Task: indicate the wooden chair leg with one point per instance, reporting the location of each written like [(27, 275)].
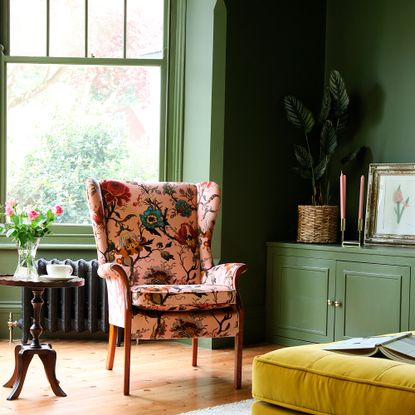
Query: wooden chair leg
[(194, 351), (238, 360), (111, 347), (120, 336), (127, 356)]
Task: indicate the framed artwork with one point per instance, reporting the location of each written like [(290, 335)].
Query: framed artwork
[(390, 208)]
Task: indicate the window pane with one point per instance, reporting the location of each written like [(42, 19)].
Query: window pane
[(79, 121), (28, 27), (106, 28), (67, 28), (145, 28)]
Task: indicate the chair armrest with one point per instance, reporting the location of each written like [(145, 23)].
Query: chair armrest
[(107, 270), (224, 274), (119, 295)]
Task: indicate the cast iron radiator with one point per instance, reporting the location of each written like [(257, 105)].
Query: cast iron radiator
[(80, 309)]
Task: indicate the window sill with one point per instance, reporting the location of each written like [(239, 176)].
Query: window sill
[(57, 242), (53, 247)]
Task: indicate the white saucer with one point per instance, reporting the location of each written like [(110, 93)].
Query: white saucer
[(57, 277)]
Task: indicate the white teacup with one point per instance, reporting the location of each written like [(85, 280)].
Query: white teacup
[(59, 270)]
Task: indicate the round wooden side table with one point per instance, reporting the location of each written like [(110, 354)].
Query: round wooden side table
[(24, 353)]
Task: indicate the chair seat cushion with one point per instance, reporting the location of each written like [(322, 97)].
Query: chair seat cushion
[(316, 381), (149, 324), (183, 297)]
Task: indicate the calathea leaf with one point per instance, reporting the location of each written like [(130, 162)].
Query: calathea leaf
[(302, 172), (325, 106), (328, 138), (303, 156), (298, 114), (340, 99), (321, 168), (342, 122)]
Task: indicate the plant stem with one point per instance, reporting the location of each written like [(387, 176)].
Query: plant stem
[(313, 179)]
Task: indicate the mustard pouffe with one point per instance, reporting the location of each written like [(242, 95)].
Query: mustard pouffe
[(307, 379)]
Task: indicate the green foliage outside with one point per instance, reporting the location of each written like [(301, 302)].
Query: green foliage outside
[(71, 153)]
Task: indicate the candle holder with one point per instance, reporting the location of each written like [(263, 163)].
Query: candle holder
[(359, 230)]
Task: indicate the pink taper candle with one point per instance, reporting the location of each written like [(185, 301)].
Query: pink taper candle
[(344, 196), (361, 196), (341, 197)]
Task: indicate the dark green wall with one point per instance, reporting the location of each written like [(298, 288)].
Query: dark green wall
[(274, 47), (371, 43)]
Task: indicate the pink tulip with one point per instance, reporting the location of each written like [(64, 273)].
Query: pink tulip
[(32, 214), (57, 210), (397, 195), (11, 203), (9, 211)]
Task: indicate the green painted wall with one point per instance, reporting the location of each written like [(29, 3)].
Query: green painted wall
[(198, 90), (274, 48), (371, 43)]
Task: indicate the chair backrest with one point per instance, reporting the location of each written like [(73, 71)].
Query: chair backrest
[(160, 231)]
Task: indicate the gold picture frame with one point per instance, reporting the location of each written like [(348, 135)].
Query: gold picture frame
[(390, 208)]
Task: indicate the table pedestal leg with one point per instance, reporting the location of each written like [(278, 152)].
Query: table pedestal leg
[(23, 361), (24, 353), (49, 362), (10, 382)]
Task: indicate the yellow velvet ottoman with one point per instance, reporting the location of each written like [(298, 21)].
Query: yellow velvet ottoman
[(307, 379)]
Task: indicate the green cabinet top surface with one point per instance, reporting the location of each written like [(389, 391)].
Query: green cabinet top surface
[(374, 254)]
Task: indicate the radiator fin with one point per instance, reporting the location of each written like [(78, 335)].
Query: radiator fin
[(79, 309)]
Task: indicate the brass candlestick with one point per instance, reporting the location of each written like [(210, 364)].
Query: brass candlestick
[(359, 228), (342, 227), (11, 325)]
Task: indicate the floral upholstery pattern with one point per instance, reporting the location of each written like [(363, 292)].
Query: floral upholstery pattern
[(223, 274), (177, 325), (117, 293), (183, 297), (208, 202), (158, 231), (154, 249)]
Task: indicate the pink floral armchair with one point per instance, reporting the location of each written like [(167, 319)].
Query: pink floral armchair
[(154, 249)]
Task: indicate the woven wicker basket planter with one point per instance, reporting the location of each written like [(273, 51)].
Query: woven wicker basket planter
[(317, 224)]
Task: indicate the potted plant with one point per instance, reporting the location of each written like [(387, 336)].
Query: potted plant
[(318, 222)]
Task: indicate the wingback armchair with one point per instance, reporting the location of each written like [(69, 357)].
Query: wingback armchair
[(154, 250)]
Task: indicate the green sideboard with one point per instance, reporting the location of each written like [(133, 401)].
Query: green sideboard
[(321, 293)]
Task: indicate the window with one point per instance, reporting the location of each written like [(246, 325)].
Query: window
[(86, 95)]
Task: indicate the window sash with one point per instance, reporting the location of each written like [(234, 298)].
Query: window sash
[(171, 111), (5, 12)]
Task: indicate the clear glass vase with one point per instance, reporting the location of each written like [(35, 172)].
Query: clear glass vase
[(26, 261)]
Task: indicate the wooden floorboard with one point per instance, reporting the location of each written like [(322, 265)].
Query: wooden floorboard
[(163, 380)]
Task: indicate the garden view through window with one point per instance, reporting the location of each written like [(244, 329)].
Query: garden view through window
[(67, 121)]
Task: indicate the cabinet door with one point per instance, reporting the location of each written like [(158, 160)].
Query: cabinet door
[(299, 290), (374, 299)]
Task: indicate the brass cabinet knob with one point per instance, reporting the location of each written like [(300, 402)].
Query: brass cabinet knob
[(330, 302), (337, 303)]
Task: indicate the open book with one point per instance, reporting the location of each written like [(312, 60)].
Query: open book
[(399, 347)]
